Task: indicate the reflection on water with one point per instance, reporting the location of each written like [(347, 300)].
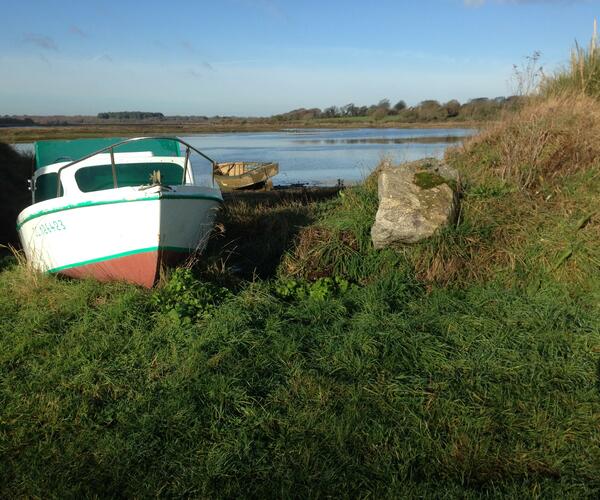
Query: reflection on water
[(383, 140), (320, 156)]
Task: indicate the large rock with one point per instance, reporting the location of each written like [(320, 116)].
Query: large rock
[(415, 200)]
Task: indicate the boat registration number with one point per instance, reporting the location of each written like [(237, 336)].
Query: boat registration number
[(49, 227)]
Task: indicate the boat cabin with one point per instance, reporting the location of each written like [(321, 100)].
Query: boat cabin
[(146, 162)]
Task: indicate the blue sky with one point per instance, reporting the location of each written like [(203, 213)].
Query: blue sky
[(260, 57)]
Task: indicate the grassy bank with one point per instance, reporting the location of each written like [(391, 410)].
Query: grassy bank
[(295, 360)]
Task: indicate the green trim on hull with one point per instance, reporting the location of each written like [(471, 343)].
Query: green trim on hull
[(118, 255), (162, 196)]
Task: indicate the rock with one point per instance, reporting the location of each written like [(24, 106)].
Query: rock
[(415, 200)]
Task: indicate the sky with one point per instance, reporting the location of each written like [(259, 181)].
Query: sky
[(262, 57)]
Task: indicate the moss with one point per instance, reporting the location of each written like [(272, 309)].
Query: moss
[(428, 180)]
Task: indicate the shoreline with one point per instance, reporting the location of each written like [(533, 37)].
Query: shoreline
[(16, 135)]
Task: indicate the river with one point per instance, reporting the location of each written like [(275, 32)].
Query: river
[(323, 156)]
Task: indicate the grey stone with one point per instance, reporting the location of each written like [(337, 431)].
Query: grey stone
[(415, 200)]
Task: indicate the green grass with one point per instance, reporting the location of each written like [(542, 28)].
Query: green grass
[(468, 383)]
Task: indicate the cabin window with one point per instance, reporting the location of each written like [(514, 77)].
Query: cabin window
[(98, 178), (45, 187)]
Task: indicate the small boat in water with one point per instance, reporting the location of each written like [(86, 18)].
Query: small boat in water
[(116, 209), (245, 175)]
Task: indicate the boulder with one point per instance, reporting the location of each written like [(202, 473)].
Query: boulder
[(415, 200)]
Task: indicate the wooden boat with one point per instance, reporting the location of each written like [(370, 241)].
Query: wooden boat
[(115, 210), (245, 175)]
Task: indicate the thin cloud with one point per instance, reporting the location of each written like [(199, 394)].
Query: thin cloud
[(45, 60), (40, 41), (187, 45), (103, 58), (76, 30), (192, 73)]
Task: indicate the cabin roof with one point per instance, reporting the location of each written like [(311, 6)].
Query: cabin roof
[(49, 152)]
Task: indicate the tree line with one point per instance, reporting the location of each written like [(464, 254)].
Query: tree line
[(130, 115), (12, 121), (479, 109)]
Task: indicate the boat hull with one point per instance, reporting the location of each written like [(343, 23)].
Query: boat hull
[(122, 234), (141, 268), (252, 178)]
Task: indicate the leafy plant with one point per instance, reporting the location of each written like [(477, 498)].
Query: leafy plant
[(186, 299), (319, 290), (496, 190)]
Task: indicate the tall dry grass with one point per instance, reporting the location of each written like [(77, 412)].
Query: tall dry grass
[(546, 140), (533, 180), (582, 75)]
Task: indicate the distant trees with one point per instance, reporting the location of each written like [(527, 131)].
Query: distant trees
[(483, 108), (384, 104), (452, 108), (350, 110), (380, 110), (400, 105), (13, 121), (130, 115), (300, 114), (429, 110)]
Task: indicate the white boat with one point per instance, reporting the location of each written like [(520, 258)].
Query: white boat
[(116, 210)]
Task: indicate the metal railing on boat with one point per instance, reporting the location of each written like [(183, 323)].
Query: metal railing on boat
[(111, 149)]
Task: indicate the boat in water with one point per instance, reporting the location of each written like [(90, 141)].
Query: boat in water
[(245, 175), (116, 209)]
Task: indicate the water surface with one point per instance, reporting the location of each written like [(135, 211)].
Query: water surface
[(320, 156)]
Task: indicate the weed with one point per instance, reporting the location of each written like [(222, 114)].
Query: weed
[(321, 289), (185, 299)]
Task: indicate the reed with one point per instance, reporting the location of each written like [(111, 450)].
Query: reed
[(582, 75)]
